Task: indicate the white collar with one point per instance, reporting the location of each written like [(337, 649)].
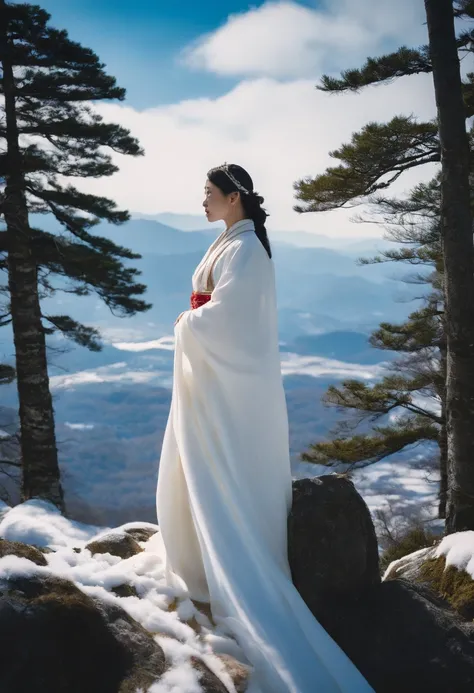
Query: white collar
[(238, 227)]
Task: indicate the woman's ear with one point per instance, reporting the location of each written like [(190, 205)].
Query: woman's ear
[(234, 197)]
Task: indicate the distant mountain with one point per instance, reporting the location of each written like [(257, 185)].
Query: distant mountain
[(340, 345), (144, 236), (184, 222), (111, 410), (318, 289), (111, 407), (300, 239)]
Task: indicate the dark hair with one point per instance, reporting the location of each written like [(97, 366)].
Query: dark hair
[(251, 201)]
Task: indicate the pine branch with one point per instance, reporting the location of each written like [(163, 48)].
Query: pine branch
[(422, 330), (464, 8), (62, 202), (405, 61), (385, 69), (90, 268), (374, 159), (9, 463), (7, 374), (80, 334), (363, 450), (375, 402)]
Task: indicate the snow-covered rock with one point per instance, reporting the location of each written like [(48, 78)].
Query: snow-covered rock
[(102, 615)]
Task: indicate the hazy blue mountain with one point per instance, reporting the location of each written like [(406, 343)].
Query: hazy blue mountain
[(111, 407), (184, 222), (301, 239), (319, 289), (342, 345)]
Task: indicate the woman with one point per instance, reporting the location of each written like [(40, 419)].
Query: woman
[(224, 488)]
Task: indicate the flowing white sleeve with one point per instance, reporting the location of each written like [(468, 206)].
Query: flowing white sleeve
[(233, 326)]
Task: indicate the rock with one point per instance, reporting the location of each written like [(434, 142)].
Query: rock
[(401, 636), (332, 548), (208, 680), (55, 638), (238, 672), (17, 548), (125, 590), (141, 533), (426, 568), (409, 566), (122, 545)]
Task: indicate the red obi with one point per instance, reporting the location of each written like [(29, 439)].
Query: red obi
[(199, 299)]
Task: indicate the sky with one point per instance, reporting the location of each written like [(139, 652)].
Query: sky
[(232, 81)]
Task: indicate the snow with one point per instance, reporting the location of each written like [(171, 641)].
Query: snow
[(458, 550), (408, 565), (404, 486), (39, 522)]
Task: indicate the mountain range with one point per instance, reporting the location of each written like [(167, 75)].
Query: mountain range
[(111, 407)]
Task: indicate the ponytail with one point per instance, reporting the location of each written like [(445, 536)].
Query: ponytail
[(252, 204)]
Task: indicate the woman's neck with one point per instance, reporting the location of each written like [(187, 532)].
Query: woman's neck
[(232, 221)]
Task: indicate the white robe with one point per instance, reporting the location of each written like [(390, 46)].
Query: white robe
[(225, 487)]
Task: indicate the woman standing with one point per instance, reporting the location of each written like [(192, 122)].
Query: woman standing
[(224, 487)]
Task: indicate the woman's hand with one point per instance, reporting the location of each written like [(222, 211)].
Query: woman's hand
[(179, 317)]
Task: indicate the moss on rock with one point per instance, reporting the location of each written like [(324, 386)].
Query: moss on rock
[(141, 533), (125, 590), (17, 548), (122, 545), (56, 638), (453, 585), (414, 540)]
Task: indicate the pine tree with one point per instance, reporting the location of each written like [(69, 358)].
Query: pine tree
[(413, 391), (398, 146), (51, 134)]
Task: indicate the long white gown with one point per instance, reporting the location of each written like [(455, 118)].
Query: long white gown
[(225, 488)]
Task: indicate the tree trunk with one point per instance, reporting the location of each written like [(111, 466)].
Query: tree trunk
[(443, 436), (458, 254), (38, 444), (443, 440)]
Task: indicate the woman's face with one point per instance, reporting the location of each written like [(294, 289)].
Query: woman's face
[(217, 206)]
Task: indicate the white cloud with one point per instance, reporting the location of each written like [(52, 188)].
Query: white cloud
[(79, 426), (164, 343), (318, 367), (280, 132), (286, 39), (115, 373)]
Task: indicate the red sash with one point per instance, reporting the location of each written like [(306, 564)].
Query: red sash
[(199, 299)]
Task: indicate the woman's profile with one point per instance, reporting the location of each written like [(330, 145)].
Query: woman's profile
[(224, 487)]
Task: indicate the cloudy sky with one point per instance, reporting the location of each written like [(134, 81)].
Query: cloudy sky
[(226, 80)]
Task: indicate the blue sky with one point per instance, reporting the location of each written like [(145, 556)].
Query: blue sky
[(140, 42), (232, 81)]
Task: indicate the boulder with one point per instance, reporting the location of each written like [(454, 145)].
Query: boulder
[(426, 567), (332, 545), (400, 635), (403, 638), (141, 533), (122, 545), (55, 638), (18, 548), (208, 680), (238, 672)]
